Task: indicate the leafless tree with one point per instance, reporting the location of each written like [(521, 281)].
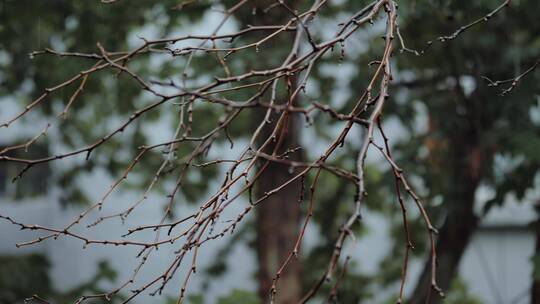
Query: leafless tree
[(273, 91)]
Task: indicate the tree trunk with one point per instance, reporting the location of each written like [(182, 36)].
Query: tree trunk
[(462, 171), (454, 237), (277, 224), (278, 217)]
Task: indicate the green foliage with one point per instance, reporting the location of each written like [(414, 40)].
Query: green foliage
[(22, 276), (104, 273), (77, 27), (31, 185), (194, 299), (234, 297), (239, 296), (460, 108), (467, 123), (535, 260), (459, 294)]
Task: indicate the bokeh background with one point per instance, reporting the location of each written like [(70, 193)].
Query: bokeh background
[(471, 153)]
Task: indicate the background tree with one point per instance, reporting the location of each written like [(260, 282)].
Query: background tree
[(472, 124), (452, 157)]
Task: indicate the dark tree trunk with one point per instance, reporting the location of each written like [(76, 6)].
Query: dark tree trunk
[(463, 160), (462, 177), (278, 217), (277, 224), (454, 237)]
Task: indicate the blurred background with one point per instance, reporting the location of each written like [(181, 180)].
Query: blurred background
[(470, 153)]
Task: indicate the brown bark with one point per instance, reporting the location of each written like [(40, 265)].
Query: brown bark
[(278, 217), (462, 159), (277, 223), (461, 170), (454, 237)]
